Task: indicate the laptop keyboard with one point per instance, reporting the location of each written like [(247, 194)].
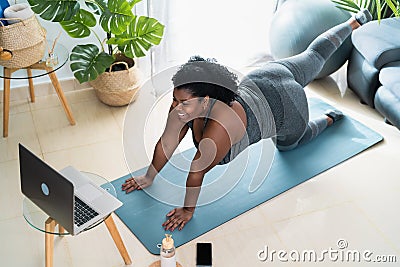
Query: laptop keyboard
[(82, 212)]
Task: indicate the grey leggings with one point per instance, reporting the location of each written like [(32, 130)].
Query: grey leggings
[(304, 67)]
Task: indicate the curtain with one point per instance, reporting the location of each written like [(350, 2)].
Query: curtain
[(234, 33)]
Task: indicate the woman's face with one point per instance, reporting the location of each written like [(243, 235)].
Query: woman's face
[(187, 106)]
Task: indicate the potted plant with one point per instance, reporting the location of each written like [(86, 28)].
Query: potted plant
[(126, 36), (378, 8)]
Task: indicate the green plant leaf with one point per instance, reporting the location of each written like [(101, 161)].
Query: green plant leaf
[(79, 26), (134, 2), (55, 10), (392, 4), (116, 16), (87, 63), (94, 7), (349, 5), (378, 9), (142, 33)]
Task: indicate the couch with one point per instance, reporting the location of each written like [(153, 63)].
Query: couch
[(374, 67)]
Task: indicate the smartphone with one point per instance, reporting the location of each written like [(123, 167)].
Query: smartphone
[(203, 254)]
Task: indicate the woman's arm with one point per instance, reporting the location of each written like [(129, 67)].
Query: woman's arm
[(213, 147), (164, 149), (173, 134)]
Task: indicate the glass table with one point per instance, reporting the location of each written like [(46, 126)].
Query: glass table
[(39, 220), (48, 65)]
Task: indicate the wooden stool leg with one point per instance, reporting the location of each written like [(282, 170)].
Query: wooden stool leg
[(112, 228), (50, 225), (6, 101), (31, 88), (61, 96), (61, 230)]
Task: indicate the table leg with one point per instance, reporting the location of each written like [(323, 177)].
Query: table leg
[(6, 101), (61, 230), (112, 228), (31, 88), (61, 96), (50, 225)]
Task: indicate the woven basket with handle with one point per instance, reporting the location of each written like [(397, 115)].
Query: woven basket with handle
[(25, 39), (118, 88)]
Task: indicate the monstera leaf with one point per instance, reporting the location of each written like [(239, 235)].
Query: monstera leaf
[(55, 10), (87, 63), (116, 16), (79, 26), (141, 34), (95, 7)]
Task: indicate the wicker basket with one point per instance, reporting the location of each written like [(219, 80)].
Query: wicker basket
[(118, 88), (26, 40)]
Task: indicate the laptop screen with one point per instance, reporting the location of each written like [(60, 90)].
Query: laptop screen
[(47, 188)]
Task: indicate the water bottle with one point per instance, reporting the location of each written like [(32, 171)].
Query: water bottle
[(167, 252), (3, 5)]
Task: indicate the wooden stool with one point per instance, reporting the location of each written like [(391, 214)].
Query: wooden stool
[(54, 80), (51, 224)]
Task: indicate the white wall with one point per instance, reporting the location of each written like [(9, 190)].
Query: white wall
[(235, 33)]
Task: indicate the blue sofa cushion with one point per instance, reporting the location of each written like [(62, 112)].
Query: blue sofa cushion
[(390, 74), (387, 102), (362, 78), (378, 42)]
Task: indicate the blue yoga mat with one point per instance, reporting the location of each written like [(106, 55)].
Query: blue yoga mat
[(143, 214)]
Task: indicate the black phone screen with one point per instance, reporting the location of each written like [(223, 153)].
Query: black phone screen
[(204, 254)]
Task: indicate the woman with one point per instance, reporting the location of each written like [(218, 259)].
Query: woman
[(225, 117)]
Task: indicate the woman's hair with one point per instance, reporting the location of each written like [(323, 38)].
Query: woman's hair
[(205, 77)]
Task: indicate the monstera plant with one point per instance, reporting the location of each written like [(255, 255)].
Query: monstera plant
[(378, 8), (123, 31)]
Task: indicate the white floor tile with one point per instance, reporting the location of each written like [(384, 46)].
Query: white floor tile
[(103, 158), (50, 101), (17, 106), (381, 212), (10, 191), (24, 246), (94, 123), (323, 229), (21, 129)]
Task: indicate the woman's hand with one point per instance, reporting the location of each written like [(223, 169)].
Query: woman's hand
[(178, 217), (137, 183)]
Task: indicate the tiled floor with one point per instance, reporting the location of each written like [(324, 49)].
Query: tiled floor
[(356, 200)]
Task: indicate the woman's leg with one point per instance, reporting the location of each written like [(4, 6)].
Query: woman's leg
[(307, 65)]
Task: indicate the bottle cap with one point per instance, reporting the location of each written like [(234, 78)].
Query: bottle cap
[(168, 242)]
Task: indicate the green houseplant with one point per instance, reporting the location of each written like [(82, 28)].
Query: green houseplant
[(378, 8), (122, 32)]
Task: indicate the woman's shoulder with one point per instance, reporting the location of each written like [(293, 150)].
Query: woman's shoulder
[(228, 115)]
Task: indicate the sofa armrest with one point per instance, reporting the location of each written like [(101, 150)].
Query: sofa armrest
[(378, 42)]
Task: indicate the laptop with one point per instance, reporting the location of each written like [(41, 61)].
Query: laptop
[(68, 196)]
